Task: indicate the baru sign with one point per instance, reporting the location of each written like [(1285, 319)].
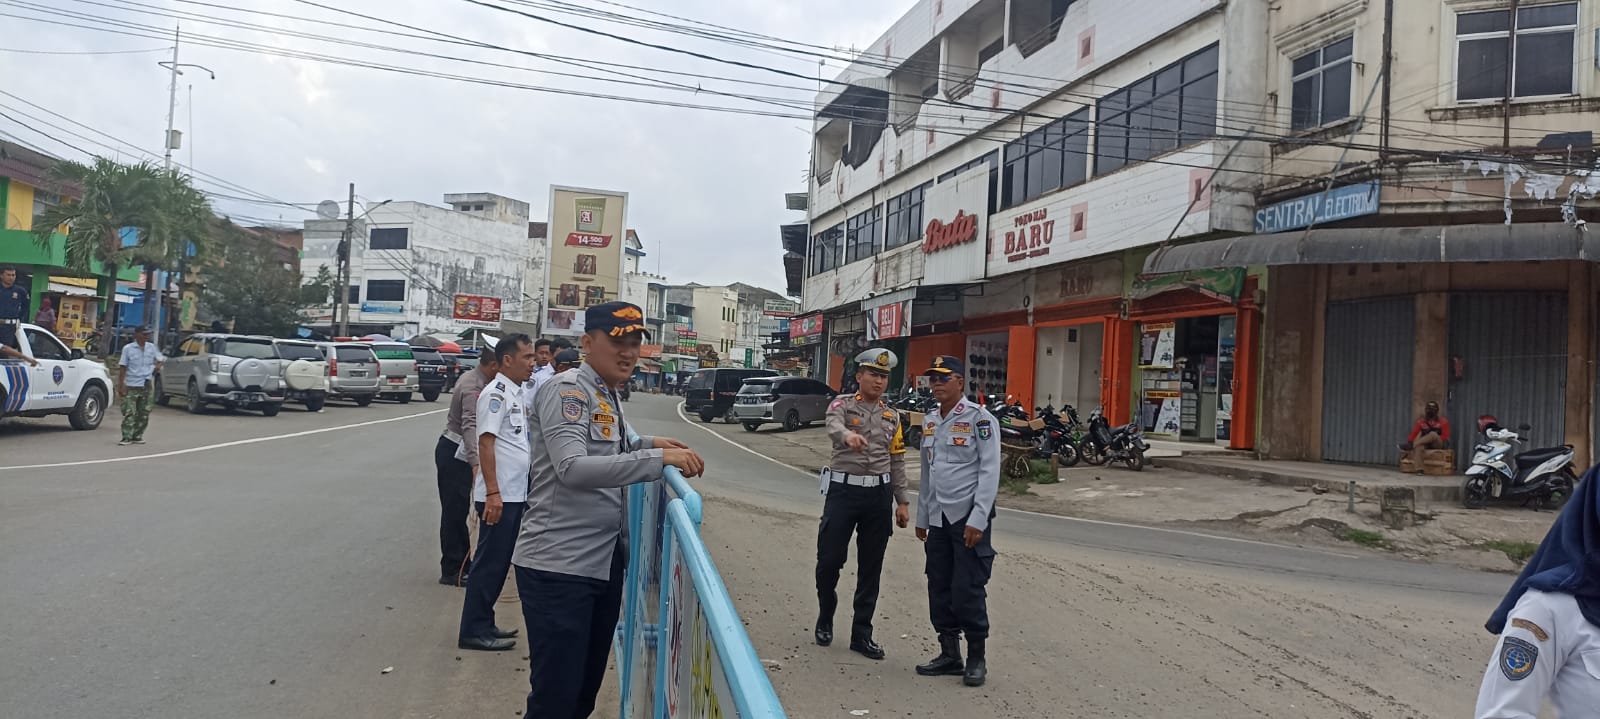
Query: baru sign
[(476, 311), (954, 241), (584, 265)]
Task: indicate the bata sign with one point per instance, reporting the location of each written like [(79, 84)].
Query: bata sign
[(940, 236), (1029, 236)]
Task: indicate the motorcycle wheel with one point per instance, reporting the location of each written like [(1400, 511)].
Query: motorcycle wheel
[(913, 437), (1134, 460), (1475, 493), (1090, 453), (1016, 466), (1068, 454), (1560, 490)]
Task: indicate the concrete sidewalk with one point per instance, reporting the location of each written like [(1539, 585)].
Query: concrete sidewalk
[(1369, 481)]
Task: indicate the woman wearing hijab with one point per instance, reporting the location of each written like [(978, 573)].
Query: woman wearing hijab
[(46, 316), (1549, 623)]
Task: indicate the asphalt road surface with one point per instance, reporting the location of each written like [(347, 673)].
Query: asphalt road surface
[(280, 573)]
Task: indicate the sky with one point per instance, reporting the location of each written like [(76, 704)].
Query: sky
[(705, 188)]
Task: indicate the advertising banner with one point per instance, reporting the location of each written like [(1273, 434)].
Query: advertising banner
[(779, 308), (476, 311), (805, 330), (889, 321), (954, 241), (585, 259)]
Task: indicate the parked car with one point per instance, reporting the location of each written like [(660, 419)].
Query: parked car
[(305, 373), (352, 371), (464, 363), (398, 367), (63, 383), (794, 401), (432, 372), (235, 371), (711, 392)]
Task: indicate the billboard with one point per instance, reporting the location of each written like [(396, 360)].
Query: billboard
[(805, 330), (584, 265), (779, 308), (476, 311)]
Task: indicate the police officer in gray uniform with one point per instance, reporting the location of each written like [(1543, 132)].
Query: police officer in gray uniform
[(955, 503), (572, 549), (868, 468)]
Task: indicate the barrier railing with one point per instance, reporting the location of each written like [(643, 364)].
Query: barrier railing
[(681, 647)]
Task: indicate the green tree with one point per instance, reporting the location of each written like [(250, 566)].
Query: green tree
[(160, 207), (245, 284), (319, 290)]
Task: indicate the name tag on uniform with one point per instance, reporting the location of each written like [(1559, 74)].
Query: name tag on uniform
[(961, 427), (602, 418)]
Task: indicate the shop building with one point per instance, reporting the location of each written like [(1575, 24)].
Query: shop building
[(956, 209), (1450, 260)]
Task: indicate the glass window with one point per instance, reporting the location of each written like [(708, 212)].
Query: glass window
[(862, 235), (1047, 159), (1321, 93), (299, 352), (386, 290), (354, 355), (1535, 50), (903, 223), (46, 347), (247, 349), (389, 238), (1155, 115)]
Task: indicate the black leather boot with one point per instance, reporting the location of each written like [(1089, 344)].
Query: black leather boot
[(977, 670), (948, 663)]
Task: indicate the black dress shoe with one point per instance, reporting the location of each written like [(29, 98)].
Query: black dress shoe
[(824, 632), (977, 672), (867, 648), (486, 644), (499, 633), (454, 581)]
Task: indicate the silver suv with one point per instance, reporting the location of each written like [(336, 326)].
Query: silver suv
[(352, 371), (400, 376), (794, 401), (235, 371), (304, 370)]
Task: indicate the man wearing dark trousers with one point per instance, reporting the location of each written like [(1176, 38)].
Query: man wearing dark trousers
[(455, 460), (868, 469), (573, 547), (501, 492), (955, 503)]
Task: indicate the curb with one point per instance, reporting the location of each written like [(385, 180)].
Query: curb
[(1366, 491)]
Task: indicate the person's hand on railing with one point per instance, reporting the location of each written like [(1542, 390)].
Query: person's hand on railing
[(685, 459), (669, 443)]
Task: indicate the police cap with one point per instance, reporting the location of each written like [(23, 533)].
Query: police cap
[(877, 360)]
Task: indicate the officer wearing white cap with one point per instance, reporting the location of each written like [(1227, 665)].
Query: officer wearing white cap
[(868, 470)]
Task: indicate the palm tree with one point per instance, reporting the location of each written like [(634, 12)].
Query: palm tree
[(160, 206)]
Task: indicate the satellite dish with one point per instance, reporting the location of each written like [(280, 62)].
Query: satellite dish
[(328, 210)]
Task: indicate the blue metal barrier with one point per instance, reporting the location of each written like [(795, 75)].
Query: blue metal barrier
[(681, 647)]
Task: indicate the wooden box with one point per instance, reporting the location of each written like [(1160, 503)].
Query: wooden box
[(1435, 462)]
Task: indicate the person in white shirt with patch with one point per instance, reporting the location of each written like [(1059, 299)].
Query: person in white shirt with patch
[(1549, 623), (500, 491)]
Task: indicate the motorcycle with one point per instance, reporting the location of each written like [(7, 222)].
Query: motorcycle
[(1542, 475), (1102, 445), (1060, 435), (906, 403)]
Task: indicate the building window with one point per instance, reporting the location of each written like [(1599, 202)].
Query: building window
[(44, 200), (386, 290), (1535, 47), (1047, 159), (1163, 111), (389, 238), (1322, 85), (993, 161), (861, 234), (827, 249), (903, 221), (355, 294)]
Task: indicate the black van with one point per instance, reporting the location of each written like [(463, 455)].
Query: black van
[(711, 392)]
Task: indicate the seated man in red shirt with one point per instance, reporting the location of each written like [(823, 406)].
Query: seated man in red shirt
[(1430, 432)]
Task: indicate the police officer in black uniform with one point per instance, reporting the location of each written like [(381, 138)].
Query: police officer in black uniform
[(14, 301), (867, 471)]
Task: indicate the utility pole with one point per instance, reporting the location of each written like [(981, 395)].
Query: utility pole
[(168, 144), (1388, 77), (344, 262)]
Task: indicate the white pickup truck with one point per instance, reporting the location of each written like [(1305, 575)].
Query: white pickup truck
[(62, 383)]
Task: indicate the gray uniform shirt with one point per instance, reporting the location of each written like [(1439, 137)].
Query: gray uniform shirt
[(886, 449), (461, 423), (576, 516), (960, 467)]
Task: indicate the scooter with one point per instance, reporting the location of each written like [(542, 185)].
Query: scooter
[(1542, 476), (1103, 445), (1060, 433)]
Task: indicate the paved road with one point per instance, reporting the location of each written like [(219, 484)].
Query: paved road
[(280, 576)]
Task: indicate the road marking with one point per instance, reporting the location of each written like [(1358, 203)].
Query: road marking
[(1081, 520), (223, 445)]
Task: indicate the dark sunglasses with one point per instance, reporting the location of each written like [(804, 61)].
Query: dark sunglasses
[(941, 378)]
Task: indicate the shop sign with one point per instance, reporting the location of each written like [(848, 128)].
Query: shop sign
[(1219, 284), (940, 236), (476, 311), (953, 243), (779, 308), (383, 308), (1029, 235), (889, 321), (1077, 282), (805, 330), (1339, 203)]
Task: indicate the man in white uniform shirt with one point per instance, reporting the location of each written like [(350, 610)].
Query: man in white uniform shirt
[(136, 369), (500, 491)]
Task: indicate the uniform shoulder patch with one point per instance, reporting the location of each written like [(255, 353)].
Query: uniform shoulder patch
[(836, 404), (499, 385), (1537, 631), (985, 429), (572, 408), (495, 402), (1517, 658)]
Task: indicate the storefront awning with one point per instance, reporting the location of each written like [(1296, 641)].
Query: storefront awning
[(72, 290), (1358, 245)]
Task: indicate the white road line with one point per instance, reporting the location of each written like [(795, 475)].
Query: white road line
[(1080, 520), (223, 445)]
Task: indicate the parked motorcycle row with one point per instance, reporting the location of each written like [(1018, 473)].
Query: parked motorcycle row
[(1047, 431)]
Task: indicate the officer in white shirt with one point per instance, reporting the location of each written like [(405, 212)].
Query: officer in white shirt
[(500, 491), (1549, 623), (136, 370), (955, 503)]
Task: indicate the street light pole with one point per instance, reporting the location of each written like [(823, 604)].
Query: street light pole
[(169, 143), (344, 262)]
